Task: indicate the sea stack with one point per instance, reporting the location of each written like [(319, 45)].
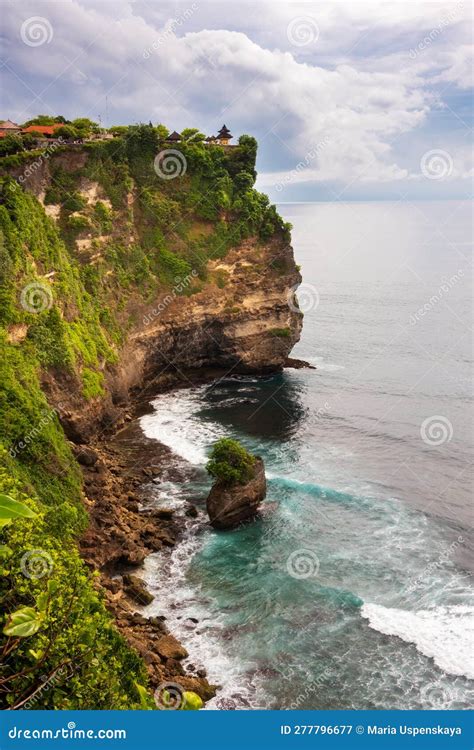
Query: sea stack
[(239, 486)]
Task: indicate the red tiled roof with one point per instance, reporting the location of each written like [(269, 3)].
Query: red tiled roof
[(9, 125), (43, 129)]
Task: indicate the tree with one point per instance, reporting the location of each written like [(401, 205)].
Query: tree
[(243, 157), (243, 181), (11, 144), (118, 130), (41, 120), (85, 127), (162, 132), (230, 462), (192, 135), (66, 132)]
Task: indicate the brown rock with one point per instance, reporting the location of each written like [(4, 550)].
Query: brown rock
[(230, 505), (85, 455), (135, 588), (169, 648)]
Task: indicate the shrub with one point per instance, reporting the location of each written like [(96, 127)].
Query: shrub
[(282, 333), (230, 462)]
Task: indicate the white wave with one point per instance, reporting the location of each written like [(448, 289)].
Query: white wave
[(182, 603), (173, 423), (446, 634), (321, 364)]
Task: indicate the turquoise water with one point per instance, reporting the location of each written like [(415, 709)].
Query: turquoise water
[(354, 588)]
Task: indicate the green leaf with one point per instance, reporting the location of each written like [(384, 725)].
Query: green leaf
[(24, 622), (10, 508), (35, 654), (42, 601), (192, 701), (144, 696)]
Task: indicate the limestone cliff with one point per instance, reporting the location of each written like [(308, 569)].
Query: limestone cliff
[(114, 281)]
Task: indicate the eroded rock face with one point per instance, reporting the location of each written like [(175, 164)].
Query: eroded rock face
[(250, 324), (229, 506)]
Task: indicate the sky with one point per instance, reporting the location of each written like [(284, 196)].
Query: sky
[(348, 100)]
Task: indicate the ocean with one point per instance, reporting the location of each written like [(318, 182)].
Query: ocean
[(353, 590)]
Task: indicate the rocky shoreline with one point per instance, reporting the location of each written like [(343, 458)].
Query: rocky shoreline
[(121, 534), (117, 465)]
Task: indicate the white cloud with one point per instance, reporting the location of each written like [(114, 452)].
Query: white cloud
[(357, 88)]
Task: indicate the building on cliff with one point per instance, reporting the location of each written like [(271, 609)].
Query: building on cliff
[(224, 136), (7, 127)]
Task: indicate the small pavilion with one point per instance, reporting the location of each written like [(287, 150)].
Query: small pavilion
[(224, 135)]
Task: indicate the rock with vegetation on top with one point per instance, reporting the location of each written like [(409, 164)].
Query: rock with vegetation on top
[(240, 484)]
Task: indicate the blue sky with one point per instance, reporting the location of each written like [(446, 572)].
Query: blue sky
[(349, 100)]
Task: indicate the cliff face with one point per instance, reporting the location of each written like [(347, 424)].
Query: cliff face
[(249, 325), (236, 314), (112, 281)]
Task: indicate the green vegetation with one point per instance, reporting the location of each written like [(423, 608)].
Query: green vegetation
[(65, 311), (282, 333), (53, 620), (230, 463)]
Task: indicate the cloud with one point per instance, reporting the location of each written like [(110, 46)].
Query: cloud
[(342, 105)]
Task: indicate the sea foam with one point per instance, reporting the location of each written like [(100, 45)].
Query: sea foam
[(445, 634)]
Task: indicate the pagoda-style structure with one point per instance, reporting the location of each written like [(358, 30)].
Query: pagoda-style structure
[(224, 135), (174, 137)]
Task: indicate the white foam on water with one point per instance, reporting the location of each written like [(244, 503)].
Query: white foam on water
[(173, 423), (446, 634), (180, 600), (321, 364)]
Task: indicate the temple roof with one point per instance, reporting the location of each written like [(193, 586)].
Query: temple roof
[(9, 125), (174, 136), (224, 132)]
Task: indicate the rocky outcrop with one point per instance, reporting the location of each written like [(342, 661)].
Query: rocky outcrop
[(248, 326), (230, 505), (135, 588)]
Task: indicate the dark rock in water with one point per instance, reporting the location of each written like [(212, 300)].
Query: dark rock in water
[(298, 364), (230, 505), (162, 513), (135, 588), (191, 511)]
